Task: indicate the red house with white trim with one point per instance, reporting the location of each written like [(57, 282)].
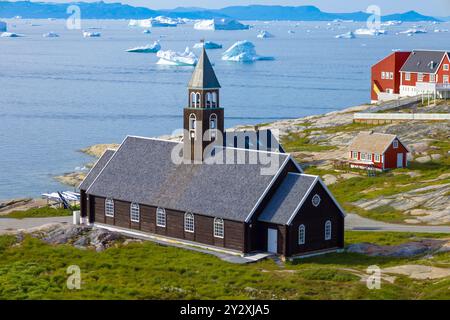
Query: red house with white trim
[(379, 151), (404, 74)]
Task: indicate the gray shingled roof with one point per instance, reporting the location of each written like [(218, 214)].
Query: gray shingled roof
[(204, 76), (289, 194), (142, 171), (95, 170), (423, 61)]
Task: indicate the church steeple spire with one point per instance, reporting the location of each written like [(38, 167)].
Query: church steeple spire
[(203, 117)]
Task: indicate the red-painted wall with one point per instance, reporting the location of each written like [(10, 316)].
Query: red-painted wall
[(426, 77), (390, 156), (441, 72), (391, 63)]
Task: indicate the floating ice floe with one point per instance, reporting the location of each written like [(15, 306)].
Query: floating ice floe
[(391, 23), (87, 34), (3, 26), (50, 34), (220, 24), (17, 17), (348, 35), (172, 58), (146, 31), (369, 32), (264, 35), (11, 35), (440, 30), (243, 51), (158, 22), (208, 45), (413, 31), (151, 48), (291, 31)]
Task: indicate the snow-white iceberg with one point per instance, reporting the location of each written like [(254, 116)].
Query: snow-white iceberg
[(11, 35), (243, 51), (291, 31), (347, 35), (151, 48), (369, 32), (264, 35), (146, 31), (391, 23), (220, 24), (413, 31), (440, 30), (3, 27), (50, 34), (158, 22), (87, 34), (208, 45), (173, 58)]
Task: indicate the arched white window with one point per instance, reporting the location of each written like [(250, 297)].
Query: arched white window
[(316, 200), (209, 100), (189, 222), (301, 234), (161, 217), (198, 100), (134, 212), (213, 125), (109, 207), (328, 230), (218, 228), (214, 99), (193, 99), (192, 120)]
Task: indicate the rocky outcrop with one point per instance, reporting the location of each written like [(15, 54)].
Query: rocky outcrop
[(409, 249)]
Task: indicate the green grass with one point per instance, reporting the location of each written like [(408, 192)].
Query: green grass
[(35, 270), (38, 213), (295, 142)]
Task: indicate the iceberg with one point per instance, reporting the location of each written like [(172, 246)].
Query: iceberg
[(146, 31), (264, 35), (413, 31), (158, 22), (291, 31), (243, 51), (348, 35), (440, 30), (172, 58), (369, 32), (220, 24), (50, 34), (87, 34), (3, 27), (151, 48), (208, 45), (391, 23), (11, 35)]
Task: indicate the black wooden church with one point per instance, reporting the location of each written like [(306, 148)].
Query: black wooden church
[(256, 200)]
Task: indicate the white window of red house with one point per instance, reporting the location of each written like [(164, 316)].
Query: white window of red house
[(355, 155), (377, 157), (369, 157), (363, 156), (395, 144), (445, 80), (109, 207), (134, 212), (446, 67), (420, 77), (432, 78), (408, 76), (383, 75), (391, 75)]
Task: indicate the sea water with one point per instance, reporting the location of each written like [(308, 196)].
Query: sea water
[(58, 95)]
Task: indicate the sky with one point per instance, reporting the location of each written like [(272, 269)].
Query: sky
[(428, 7)]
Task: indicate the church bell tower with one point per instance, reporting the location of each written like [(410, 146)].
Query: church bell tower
[(203, 117)]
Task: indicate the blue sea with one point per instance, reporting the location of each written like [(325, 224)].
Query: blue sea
[(58, 95)]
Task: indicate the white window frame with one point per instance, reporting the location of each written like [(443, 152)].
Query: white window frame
[(135, 212), (369, 156), (189, 222), (109, 207), (161, 217), (420, 77), (328, 230), (355, 155), (316, 200), (446, 67), (445, 79), (301, 234), (219, 228), (363, 155), (377, 157), (408, 76), (391, 75), (383, 75), (395, 144), (433, 78)]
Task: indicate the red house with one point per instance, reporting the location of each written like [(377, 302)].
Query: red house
[(403, 74), (377, 150), (386, 76)]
